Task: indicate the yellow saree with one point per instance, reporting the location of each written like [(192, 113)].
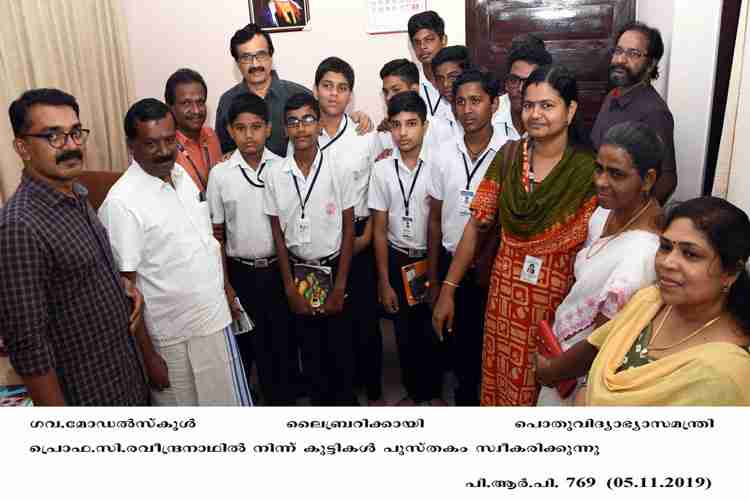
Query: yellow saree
[(711, 374)]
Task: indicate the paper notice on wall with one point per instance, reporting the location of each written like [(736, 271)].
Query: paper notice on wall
[(391, 16)]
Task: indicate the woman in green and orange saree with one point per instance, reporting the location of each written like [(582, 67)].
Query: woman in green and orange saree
[(540, 191)]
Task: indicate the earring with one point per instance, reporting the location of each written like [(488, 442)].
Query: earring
[(725, 289)]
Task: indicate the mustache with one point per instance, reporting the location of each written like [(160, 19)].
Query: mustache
[(165, 158), (69, 154), (613, 67), (257, 69)]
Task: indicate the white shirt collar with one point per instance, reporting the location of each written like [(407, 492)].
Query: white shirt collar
[(423, 155), (239, 161), (290, 164), (177, 174), (496, 141), (345, 122)]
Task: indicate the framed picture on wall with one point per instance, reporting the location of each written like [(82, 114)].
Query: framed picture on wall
[(280, 15)]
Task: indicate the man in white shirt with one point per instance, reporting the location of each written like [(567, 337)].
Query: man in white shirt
[(160, 231), (310, 201), (399, 202), (458, 169), (355, 154), (427, 36), (235, 196)]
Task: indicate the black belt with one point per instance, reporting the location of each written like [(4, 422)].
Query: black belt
[(357, 220), (257, 263), (315, 262), (409, 252)]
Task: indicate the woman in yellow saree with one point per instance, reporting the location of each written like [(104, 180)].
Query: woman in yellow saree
[(684, 341), (543, 202)]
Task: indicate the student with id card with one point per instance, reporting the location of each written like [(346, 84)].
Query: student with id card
[(400, 208), (310, 201), (355, 154), (235, 196), (457, 170)]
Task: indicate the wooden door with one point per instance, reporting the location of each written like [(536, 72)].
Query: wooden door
[(578, 34)]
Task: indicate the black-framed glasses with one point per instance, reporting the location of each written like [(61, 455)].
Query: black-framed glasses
[(293, 122), (631, 54), (515, 80), (261, 56), (58, 140)]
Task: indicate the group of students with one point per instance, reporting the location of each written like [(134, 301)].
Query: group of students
[(498, 199)]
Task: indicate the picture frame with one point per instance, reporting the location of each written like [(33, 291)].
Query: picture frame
[(280, 15)]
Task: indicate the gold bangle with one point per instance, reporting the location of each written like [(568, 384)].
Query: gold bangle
[(450, 283)]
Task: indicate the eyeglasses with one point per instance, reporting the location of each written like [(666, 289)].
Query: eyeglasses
[(293, 122), (261, 56), (628, 53), (515, 80), (58, 140)]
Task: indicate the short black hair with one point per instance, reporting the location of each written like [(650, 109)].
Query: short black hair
[(640, 142), (335, 65), (301, 100), (247, 103), (19, 109), (179, 77), (402, 68), (655, 43), (529, 48), (427, 20), (488, 82), (145, 110), (245, 35), (407, 102), (455, 53)]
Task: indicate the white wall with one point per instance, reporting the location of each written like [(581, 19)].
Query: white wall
[(660, 15), (167, 35), (739, 180)]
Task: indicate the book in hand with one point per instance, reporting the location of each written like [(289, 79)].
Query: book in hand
[(314, 283), (243, 324), (549, 347), (414, 276)]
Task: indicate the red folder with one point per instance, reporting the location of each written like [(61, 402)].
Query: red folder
[(549, 347)]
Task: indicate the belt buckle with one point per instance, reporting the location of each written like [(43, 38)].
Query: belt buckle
[(261, 263), (414, 253), (314, 262)]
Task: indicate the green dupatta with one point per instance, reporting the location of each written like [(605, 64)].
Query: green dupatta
[(561, 194)]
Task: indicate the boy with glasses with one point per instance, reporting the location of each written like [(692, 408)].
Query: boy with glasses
[(310, 200)]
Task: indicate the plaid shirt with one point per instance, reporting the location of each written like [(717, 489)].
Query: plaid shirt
[(62, 304)]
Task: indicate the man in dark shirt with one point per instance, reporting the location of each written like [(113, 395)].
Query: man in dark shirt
[(64, 310), (252, 50), (634, 64)]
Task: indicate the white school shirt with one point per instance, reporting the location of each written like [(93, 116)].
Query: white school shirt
[(331, 195), (354, 154), (503, 118), (436, 105), (386, 196), (449, 178), (164, 235), (235, 197)]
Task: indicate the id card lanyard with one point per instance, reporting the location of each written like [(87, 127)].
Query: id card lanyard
[(406, 198), (470, 176), (303, 203), (434, 109), (337, 136), (260, 184), (184, 151)]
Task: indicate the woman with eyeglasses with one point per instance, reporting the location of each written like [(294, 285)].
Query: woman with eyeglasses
[(541, 191)]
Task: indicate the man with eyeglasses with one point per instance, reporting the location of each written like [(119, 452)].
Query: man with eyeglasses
[(527, 53), (252, 50), (633, 65), (64, 309)]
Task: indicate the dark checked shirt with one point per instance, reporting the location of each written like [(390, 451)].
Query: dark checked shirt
[(62, 304)]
